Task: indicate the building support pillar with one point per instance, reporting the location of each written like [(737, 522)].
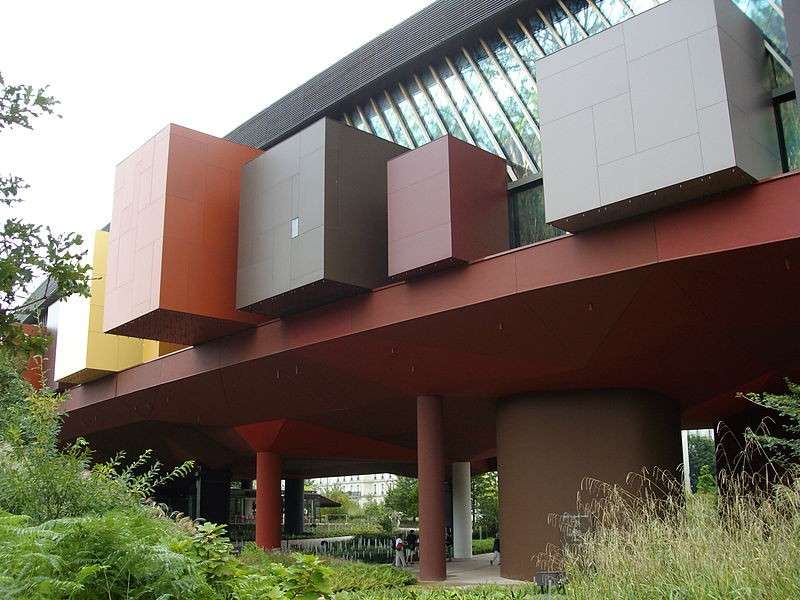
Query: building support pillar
[(293, 506), (268, 500), (549, 443), (430, 470), (213, 495), (462, 510)]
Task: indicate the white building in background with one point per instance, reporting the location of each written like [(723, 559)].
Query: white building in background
[(364, 489)]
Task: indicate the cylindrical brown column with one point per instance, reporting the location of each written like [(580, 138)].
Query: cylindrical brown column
[(268, 500), (430, 470), (548, 443), (293, 495)]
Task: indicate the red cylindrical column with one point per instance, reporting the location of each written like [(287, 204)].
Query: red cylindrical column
[(430, 470), (268, 500)]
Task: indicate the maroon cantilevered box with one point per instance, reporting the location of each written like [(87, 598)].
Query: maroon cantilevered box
[(447, 205)]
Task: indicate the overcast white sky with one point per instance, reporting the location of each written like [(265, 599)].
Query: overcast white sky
[(123, 70)]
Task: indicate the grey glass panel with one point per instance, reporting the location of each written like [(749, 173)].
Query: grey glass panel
[(466, 108), (565, 26), (409, 114), (427, 111), (763, 14), (492, 112), (543, 35), (779, 78), (790, 121), (523, 82), (376, 123), (524, 47), (393, 119), (587, 16), (358, 122), (443, 106), (526, 211), (616, 11), (513, 110)]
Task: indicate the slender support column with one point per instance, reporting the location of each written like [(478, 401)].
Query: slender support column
[(462, 510), (430, 469), (268, 500), (213, 495), (293, 506)]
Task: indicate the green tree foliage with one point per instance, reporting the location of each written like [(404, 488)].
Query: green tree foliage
[(706, 482), (784, 449), (349, 507), (30, 252), (701, 454), (484, 503), (403, 498)]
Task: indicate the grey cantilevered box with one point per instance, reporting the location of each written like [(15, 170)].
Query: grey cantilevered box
[(312, 219), (669, 106)]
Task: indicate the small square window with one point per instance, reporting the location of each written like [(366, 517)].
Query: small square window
[(295, 227)]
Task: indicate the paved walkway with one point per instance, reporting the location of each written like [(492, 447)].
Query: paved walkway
[(472, 571)]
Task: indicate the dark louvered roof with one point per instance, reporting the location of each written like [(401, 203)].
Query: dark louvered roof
[(420, 34)]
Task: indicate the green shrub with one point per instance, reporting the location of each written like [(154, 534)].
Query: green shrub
[(343, 575), (483, 546)]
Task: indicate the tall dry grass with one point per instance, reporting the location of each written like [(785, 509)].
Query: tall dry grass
[(659, 542)]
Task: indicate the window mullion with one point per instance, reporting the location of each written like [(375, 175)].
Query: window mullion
[(456, 112), (501, 110), (415, 109), (400, 118), (365, 120), (530, 37), (382, 119), (550, 28), (572, 18), (599, 12), (504, 75), (468, 95)]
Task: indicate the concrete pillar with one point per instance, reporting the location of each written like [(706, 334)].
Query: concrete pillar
[(268, 500), (548, 443), (214, 495), (462, 510), (430, 469), (293, 506)]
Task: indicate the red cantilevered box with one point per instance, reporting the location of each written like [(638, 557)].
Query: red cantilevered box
[(174, 236), (447, 205)]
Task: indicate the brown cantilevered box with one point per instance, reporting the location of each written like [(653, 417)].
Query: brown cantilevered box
[(173, 241), (312, 225), (447, 205)]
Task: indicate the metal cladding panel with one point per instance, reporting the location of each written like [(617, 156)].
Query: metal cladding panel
[(313, 219), (669, 106), (447, 205), (421, 33), (173, 239)]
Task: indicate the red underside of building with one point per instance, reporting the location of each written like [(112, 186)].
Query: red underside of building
[(697, 304)]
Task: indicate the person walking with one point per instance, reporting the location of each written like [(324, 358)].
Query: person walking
[(496, 550), (399, 552), (411, 545)]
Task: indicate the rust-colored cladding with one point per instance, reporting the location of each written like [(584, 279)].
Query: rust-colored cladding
[(447, 205), (174, 237)]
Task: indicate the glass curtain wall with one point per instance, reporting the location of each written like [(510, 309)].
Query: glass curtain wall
[(485, 92)]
